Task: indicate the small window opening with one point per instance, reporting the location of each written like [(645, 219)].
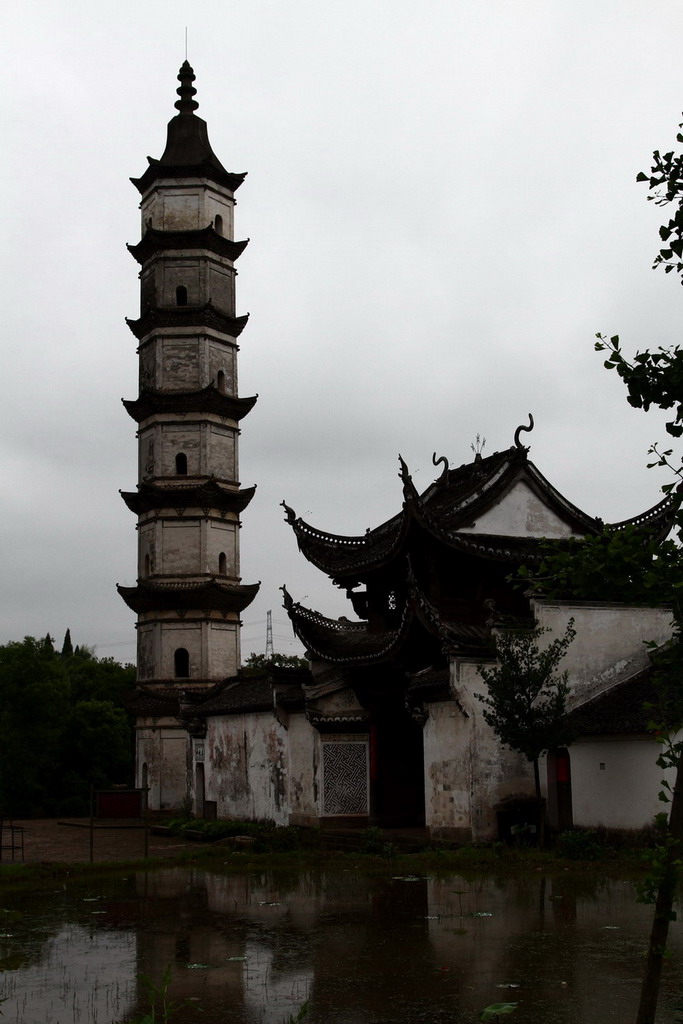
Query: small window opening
[(146, 565), (181, 295), (149, 222), (218, 224), (391, 601), (222, 564), (221, 381), (181, 663), (181, 464)]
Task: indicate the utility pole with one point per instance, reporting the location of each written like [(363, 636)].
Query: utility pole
[(269, 636)]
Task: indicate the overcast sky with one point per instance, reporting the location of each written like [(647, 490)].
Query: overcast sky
[(442, 208)]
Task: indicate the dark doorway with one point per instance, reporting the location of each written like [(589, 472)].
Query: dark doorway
[(396, 770), (560, 789)]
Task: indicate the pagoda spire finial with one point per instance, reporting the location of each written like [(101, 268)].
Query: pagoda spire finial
[(186, 76)]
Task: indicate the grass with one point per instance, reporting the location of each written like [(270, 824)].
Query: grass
[(468, 861)]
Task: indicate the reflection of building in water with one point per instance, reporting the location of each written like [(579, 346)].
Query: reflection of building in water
[(223, 937), (385, 727)]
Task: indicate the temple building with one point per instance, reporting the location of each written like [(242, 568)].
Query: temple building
[(384, 727), (189, 595)]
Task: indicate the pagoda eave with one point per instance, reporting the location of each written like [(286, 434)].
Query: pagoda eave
[(205, 171), (188, 317), (154, 241), (149, 498), (186, 596), (206, 400)]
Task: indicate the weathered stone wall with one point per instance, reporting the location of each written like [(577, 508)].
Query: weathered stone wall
[(210, 449), (257, 768), (179, 362), (162, 758), (305, 788), (190, 545), (247, 767), (177, 207)]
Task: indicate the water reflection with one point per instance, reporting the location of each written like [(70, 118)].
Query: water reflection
[(250, 949)]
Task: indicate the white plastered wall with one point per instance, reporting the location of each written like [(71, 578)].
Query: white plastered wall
[(616, 781)]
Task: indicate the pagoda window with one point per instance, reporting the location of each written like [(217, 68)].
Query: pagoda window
[(146, 565), (222, 564), (181, 295), (221, 381), (218, 224), (181, 663), (181, 464), (391, 601)]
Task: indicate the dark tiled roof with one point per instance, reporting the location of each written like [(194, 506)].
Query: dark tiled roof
[(154, 241), (347, 643), (162, 317), (186, 595), (155, 703), (619, 710), (205, 400), (253, 693), (450, 506), (188, 152), (207, 495), (340, 640)]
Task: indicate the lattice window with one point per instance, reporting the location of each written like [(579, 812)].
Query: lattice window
[(345, 777)]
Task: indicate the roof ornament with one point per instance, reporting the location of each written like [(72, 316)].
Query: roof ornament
[(478, 447), (409, 491), (444, 471), (287, 599), (290, 514), (520, 429), (186, 76)]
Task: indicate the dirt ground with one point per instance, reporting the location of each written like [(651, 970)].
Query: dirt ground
[(68, 840)]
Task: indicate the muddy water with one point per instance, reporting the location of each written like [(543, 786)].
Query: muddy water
[(404, 950)]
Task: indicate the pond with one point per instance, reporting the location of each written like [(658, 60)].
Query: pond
[(251, 949)]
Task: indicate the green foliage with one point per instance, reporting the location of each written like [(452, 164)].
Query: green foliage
[(374, 841), (61, 726), (212, 830), (526, 703), (627, 565), (255, 664), (496, 1010), (300, 1015), (161, 1006), (579, 844)]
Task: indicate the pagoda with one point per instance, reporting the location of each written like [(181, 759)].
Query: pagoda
[(189, 596)]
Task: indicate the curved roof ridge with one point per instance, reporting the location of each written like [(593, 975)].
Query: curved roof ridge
[(663, 512), (353, 641)]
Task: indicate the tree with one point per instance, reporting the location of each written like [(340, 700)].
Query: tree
[(67, 646), (257, 663), (62, 725), (34, 703), (526, 703)]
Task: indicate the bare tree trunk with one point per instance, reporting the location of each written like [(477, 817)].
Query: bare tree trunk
[(649, 992)]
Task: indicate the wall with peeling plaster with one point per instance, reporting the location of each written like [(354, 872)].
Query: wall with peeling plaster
[(162, 752)]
